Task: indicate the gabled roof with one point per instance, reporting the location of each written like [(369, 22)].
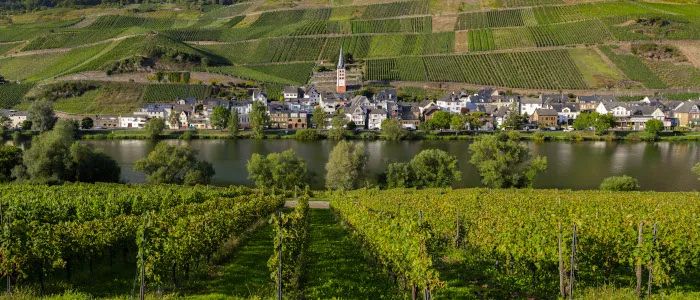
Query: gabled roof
[(687, 106), (291, 90), (545, 112)]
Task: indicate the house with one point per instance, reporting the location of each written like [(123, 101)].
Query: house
[(429, 112), (617, 109), (259, 96), (132, 121), (688, 113), (545, 117), (375, 118), (409, 115), (453, 102), (312, 95), (291, 92), (567, 112), (155, 110), (357, 111), (16, 117), (642, 114), (243, 108), (105, 122), (283, 118), (528, 105), (199, 122)]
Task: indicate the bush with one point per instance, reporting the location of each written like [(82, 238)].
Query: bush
[(307, 135), (620, 183)]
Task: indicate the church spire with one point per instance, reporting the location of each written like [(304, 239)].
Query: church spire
[(341, 59)]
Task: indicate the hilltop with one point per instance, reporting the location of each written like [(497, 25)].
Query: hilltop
[(513, 44)]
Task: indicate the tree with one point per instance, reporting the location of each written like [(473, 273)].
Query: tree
[(86, 123), (26, 125), (475, 120), (258, 119), (220, 117), (345, 166), (41, 115), (458, 122), (603, 122), (514, 120), (653, 127), (430, 168), (154, 128), (337, 131), (439, 120), (502, 162), (234, 123), (318, 118), (174, 164), (392, 130), (283, 170), (620, 183), (49, 158), (93, 166), (599, 122), (10, 157)]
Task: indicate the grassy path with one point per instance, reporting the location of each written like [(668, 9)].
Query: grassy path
[(336, 266), (246, 274)]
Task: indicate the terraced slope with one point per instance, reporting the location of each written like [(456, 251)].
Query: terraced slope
[(529, 44)]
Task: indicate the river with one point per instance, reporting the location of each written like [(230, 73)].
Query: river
[(662, 166)]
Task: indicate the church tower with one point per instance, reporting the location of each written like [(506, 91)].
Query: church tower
[(340, 74)]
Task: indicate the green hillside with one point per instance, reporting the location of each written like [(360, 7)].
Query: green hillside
[(527, 44)]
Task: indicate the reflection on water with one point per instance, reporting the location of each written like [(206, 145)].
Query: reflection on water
[(660, 166)]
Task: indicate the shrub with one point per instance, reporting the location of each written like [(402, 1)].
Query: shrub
[(620, 183), (307, 135)]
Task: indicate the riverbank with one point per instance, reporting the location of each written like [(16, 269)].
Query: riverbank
[(632, 136)]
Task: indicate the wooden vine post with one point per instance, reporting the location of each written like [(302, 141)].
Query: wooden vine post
[(279, 257), (650, 267), (562, 272), (8, 274), (638, 264), (572, 275)]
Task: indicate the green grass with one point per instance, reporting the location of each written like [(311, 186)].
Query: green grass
[(109, 99), (337, 267), (596, 72), (246, 275), (170, 92), (634, 68)]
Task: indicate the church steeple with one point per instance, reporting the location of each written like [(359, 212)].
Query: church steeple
[(340, 73), (341, 59)]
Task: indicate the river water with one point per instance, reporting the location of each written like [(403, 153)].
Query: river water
[(662, 166)]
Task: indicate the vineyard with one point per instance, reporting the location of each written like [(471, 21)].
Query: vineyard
[(552, 69), (241, 37), (171, 92), (531, 243), (12, 94)]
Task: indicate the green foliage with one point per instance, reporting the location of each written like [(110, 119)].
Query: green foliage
[(41, 115), (220, 117), (514, 120), (318, 118), (10, 157), (439, 120), (338, 123), (599, 122), (55, 156), (154, 128), (654, 127), (259, 119), (171, 92), (696, 170), (86, 123), (307, 134), (392, 130), (283, 170), (634, 68), (620, 183), (345, 166), (174, 164), (429, 168), (234, 123), (503, 162), (292, 239)]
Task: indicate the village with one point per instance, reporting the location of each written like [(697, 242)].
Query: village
[(367, 112)]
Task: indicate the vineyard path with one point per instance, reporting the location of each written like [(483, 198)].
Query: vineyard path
[(314, 204)]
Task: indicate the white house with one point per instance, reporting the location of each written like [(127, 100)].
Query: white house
[(291, 92), (375, 118), (243, 108), (132, 121), (617, 109), (529, 105), (16, 117), (453, 102)]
